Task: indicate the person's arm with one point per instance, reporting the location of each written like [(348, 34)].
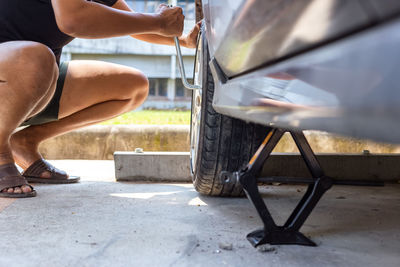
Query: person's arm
[(187, 40), (84, 19)]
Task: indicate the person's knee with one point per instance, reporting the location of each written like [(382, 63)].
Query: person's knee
[(39, 67), (142, 88), (136, 87)]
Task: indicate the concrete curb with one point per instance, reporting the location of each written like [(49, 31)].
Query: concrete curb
[(175, 166), (99, 142)]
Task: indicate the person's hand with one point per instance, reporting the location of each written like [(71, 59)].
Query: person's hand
[(190, 40), (171, 19)]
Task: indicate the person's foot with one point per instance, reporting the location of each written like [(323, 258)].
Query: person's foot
[(25, 151), (36, 170), (8, 168), (18, 190)]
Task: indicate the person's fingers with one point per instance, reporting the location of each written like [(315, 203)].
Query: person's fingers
[(161, 7), (182, 21)]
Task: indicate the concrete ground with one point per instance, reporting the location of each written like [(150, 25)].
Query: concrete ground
[(99, 222)]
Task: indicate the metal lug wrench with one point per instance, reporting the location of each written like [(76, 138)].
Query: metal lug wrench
[(182, 68)]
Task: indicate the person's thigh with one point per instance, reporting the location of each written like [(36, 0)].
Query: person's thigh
[(9, 60), (88, 83), (21, 82), (21, 60)]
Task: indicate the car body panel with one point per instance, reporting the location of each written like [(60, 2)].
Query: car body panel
[(383, 8), (343, 78), (248, 34), (351, 87), (217, 15)]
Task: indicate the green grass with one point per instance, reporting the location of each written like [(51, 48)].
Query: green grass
[(154, 117)]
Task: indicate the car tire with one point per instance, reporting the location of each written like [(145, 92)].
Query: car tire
[(218, 142)]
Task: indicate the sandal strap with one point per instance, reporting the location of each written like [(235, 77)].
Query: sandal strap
[(41, 165), (10, 177), (37, 168)]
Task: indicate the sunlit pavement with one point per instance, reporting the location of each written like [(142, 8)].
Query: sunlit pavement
[(99, 222)]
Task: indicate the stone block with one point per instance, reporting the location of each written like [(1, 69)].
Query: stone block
[(152, 166)]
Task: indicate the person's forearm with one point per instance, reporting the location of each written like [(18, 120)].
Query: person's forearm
[(157, 39), (150, 38), (92, 20), (154, 38)]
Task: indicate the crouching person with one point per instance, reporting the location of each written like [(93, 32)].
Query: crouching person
[(50, 97)]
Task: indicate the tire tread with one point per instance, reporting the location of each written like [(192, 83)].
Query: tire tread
[(225, 144)]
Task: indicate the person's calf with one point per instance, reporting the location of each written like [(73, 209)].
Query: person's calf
[(25, 148), (6, 157)]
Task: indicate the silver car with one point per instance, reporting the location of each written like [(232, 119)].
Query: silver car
[(331, 65)]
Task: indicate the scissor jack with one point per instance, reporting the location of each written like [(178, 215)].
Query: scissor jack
[(247, 177)]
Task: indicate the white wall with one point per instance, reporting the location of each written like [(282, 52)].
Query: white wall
[(151, 66)]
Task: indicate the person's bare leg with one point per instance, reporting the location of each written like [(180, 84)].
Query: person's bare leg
[(93, 92), (27, 81)]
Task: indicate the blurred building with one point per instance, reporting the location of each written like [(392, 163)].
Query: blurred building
[(158, 62)]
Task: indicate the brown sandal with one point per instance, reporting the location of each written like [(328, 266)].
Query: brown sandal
[(10, 178), (32, 174)]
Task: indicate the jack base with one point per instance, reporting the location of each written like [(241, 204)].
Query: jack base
[(279, 237)]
